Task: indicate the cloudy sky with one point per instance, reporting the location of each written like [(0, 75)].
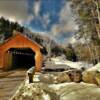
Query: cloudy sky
[(52, 17)]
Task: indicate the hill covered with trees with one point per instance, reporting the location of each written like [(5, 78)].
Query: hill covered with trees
[(7, 27), (6, 30)]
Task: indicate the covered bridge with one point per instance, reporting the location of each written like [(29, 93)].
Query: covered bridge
[(20, 51)]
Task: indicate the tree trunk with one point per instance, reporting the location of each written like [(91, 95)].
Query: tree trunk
[(98, 17), (96, 26)]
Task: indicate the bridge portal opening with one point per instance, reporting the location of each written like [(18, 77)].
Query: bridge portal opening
[(21, 58)]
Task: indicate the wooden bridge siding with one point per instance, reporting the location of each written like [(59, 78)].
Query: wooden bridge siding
[(7, 60)]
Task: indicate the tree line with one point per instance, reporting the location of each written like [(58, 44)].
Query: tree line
[(7, 27)]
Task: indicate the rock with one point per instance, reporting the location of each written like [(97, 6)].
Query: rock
[(47, 78), (63, 77), (97, 78), (61, 91), (75, 75), (72, 75), (79, 91), (55, 77), (89, 77), (92, 75), (58, 86), (28, 92)]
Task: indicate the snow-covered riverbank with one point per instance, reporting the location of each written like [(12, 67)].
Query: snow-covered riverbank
[(62, 91), (78, 65), (59, 86)]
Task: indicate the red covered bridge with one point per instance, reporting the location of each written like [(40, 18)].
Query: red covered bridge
[(20, 51)]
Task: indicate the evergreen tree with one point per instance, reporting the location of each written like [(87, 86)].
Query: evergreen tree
[(7, 27)]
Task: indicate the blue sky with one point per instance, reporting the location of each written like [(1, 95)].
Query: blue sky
[(52, 17), (49, 9)]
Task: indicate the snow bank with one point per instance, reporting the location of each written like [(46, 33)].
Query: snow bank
[(77, 65), (94, 68)]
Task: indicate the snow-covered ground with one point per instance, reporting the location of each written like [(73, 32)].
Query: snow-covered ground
[(96, 67), (77, 65), (68, 90)]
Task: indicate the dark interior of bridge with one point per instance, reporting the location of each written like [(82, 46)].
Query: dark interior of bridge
[(22, 57)]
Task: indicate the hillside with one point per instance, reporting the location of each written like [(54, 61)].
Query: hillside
[(7, 28)]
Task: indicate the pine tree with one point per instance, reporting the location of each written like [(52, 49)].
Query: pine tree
[(7, 27)]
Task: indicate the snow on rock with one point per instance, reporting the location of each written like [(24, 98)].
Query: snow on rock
[(94, 68), (39, 90)]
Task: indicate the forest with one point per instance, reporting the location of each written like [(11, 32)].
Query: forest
[(88, 19)]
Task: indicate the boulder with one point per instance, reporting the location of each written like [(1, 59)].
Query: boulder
[(75, 75), (55, 77), (61, 91), (63, 77), (92, 75), (47, 78), (97, 78)]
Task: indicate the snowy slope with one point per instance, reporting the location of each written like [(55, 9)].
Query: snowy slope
[(77, 65)]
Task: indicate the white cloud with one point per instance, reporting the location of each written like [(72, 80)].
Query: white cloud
[(30, 18), (66, 22), (45, 20), (15, 10), (36, 8)]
